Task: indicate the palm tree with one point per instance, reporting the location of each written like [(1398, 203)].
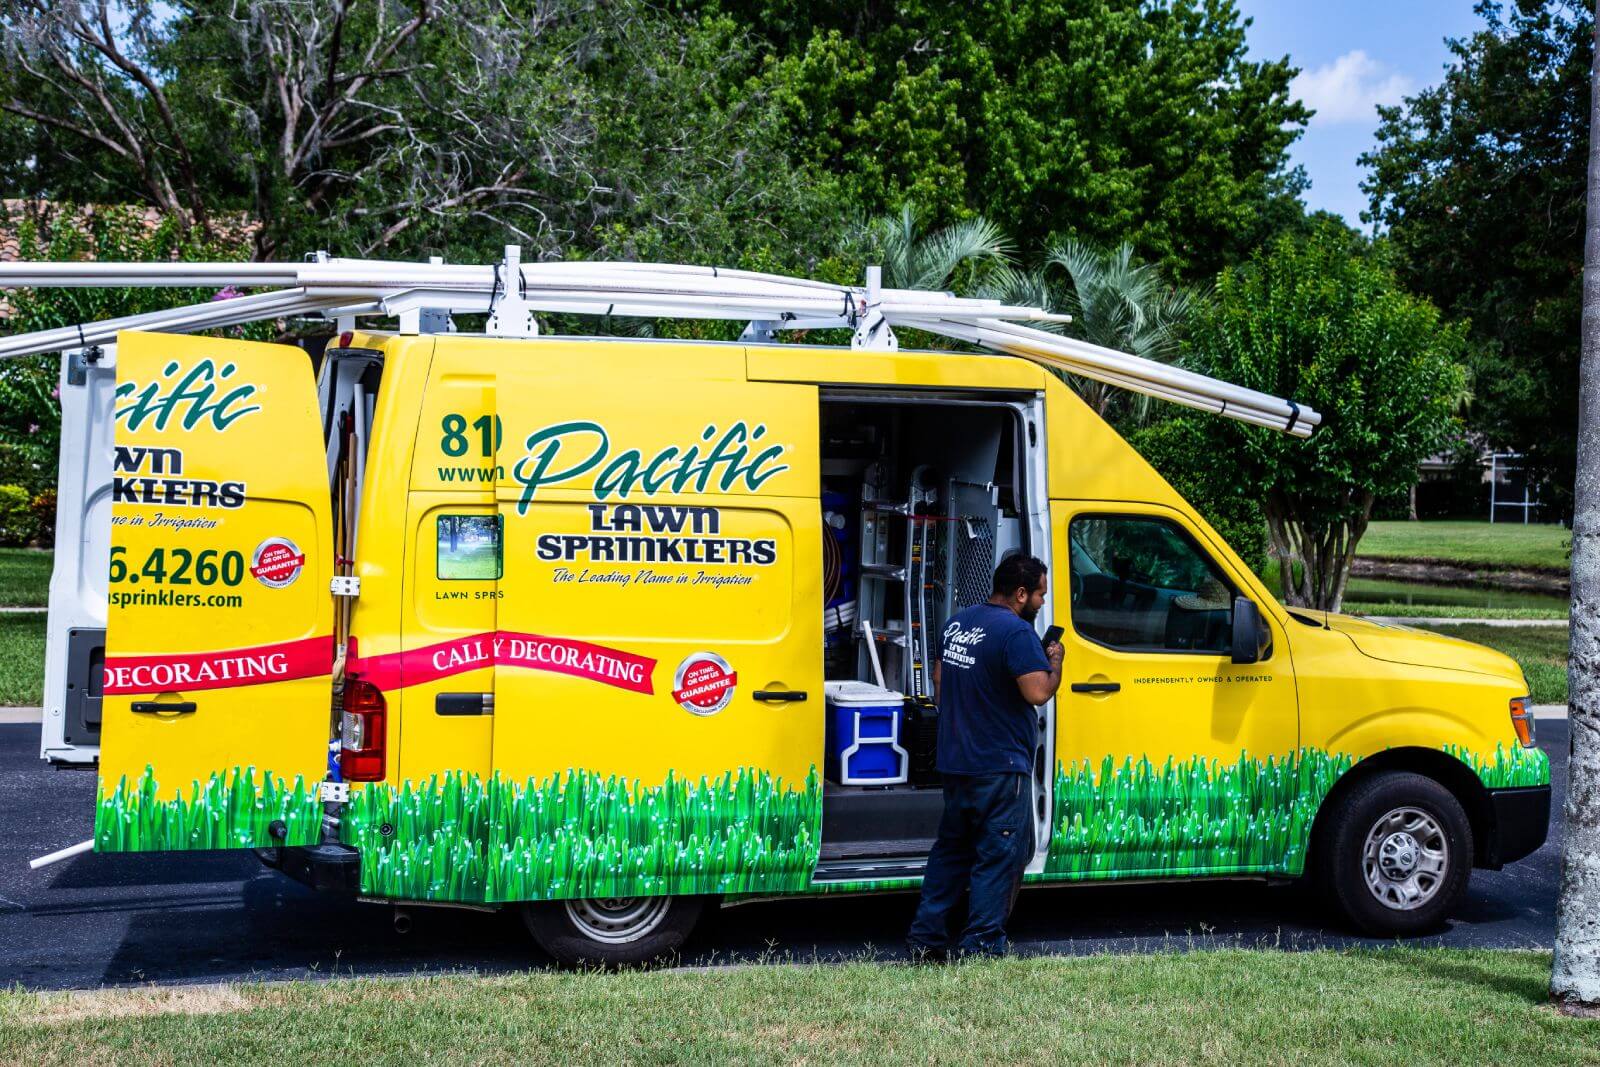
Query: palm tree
[(1575, 976), (1117, 302), (959, 252)]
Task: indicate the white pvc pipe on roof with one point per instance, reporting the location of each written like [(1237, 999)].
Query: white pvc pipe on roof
[(1238, 411), (1082, 357), (207, 316), (1137, 366), (90, 274)]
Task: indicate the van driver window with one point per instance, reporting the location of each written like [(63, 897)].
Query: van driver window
[(1141, 584), (469, 547)]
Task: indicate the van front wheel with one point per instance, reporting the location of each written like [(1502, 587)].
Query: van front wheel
[(1396, 855), (612, 930)]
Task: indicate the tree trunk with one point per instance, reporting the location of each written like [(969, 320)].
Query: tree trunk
[(1323, 554), (1575, 979)]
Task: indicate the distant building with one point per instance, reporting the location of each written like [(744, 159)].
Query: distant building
[(1475, 481)]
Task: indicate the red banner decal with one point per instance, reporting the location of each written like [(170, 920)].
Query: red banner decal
[(223, 669), (503, 648)]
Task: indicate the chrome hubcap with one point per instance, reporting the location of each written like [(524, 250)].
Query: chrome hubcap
[(617, 920), (1405, 858)]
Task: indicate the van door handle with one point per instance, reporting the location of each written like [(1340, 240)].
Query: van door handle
[(463, 704), (1096, 687), (156, 707), (780, 694)]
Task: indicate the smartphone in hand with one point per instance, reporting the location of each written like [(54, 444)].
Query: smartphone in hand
[(1052, 635)]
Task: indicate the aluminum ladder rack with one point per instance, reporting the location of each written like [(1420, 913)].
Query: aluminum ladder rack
[(423, 296)]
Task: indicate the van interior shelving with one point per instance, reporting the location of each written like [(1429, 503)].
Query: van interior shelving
[(921, 497)]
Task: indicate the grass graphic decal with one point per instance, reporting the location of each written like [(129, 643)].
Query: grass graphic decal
[(1510, 768), (1194, 816), (460, 837), (225, 812)]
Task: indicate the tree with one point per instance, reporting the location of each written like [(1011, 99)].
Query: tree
[(1575, 975), (90, 73), (945, 259), (1323, 320), (1117, 302), (1487, 169), (1176, 448), (1104, 120), (409, 127)]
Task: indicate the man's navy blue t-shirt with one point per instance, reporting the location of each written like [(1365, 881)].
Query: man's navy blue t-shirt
[(985, 725)]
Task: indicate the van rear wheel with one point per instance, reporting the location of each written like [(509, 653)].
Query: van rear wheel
[(612, 930), (1396, 855)]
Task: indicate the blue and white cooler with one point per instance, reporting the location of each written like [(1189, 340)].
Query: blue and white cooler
[(863, 734)]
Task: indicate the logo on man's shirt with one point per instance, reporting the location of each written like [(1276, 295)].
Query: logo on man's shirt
[(958, 642)]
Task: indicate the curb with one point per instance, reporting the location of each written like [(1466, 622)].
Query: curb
[(21, 715)]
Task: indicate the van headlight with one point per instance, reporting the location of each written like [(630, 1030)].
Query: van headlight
[(1522, 720)]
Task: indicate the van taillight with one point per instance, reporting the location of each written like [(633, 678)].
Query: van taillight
[(361, 732), (1522, 720)]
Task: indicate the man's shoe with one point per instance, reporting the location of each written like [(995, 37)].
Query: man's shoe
[(921, 953), (994, 952)]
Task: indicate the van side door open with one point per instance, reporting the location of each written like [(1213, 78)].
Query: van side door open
[(219, 637)]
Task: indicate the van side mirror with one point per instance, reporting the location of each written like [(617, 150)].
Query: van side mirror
[(1250, 634)]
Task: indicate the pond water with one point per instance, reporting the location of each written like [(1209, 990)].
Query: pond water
[(1392, 591)]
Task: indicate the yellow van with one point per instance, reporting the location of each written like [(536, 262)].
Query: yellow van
[(613, 630)]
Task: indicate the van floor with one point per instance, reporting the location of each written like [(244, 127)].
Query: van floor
[(867, 822)]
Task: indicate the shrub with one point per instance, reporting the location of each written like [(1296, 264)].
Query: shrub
[(1175, 449), (25, 466), (16, 515), (43, 508)]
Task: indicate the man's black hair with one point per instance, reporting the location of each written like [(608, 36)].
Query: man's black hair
[(1018, 571)]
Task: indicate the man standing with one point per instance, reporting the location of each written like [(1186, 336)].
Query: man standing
[(992, 672)]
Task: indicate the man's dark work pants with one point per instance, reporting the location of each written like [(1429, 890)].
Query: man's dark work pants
[(985, 840)]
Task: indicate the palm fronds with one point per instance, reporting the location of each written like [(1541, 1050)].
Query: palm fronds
[(913, 259), (1119, 303)]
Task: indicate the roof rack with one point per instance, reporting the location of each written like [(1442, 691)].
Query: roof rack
[(423, 296)]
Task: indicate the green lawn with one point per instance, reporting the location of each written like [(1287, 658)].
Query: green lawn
[(472, 561), (1540, 650), (22, 659), (24, 577), (1469, 544), (1402, 1006), (1446, 611)]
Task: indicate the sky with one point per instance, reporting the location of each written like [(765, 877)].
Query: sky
[(1352, 55)]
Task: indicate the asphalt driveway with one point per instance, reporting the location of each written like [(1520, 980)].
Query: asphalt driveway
[(200, 917)]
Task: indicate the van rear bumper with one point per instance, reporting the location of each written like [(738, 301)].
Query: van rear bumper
[(1521, 824), (325, 868)]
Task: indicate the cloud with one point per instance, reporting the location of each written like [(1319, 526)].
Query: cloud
[(1349, 88)]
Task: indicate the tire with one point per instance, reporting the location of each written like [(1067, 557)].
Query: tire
[(613, 932), (1395, 855)]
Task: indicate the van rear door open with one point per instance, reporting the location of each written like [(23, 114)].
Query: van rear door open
[(219, 644)]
